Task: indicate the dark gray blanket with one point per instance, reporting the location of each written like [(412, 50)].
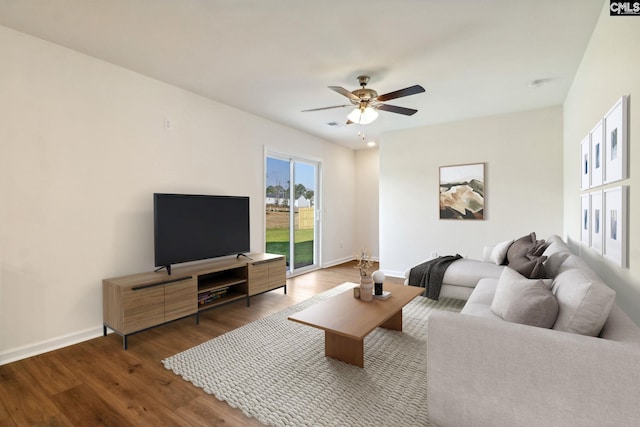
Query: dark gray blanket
[(429, 274)]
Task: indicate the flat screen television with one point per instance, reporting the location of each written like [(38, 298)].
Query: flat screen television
[(190, 227)]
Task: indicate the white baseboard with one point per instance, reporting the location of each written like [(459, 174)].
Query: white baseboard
[(23, 352), (337, 262), (343, 260)]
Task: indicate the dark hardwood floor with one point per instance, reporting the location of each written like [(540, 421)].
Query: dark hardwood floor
[(97, 383)]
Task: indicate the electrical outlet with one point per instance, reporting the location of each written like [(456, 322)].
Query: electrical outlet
[(434, 254)]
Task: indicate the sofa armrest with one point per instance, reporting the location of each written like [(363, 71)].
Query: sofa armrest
[(491, 372)]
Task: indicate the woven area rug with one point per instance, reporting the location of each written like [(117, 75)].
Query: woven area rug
[(275, 370)]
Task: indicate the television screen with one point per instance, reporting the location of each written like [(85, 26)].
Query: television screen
[(194, 227)]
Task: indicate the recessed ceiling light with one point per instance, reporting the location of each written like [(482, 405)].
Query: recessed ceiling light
[(371, 144)]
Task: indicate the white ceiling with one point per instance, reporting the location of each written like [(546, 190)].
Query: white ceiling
[(275, 58)]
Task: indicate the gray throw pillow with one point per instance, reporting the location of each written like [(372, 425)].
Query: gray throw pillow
[(538, 248), (535, 306), (521, 246), (529, 266)]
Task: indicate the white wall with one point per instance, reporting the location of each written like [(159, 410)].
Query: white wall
[(367, 201), (83, 147), (609, 69), (522, 153)]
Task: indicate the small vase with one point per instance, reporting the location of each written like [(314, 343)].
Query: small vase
[(366, 288)]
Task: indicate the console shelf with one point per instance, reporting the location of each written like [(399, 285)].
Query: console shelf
[(210, 286), (220, 287), (227, 298), (137, 302)]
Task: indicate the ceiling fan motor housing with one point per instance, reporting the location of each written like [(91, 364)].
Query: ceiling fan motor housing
[(365, 94)]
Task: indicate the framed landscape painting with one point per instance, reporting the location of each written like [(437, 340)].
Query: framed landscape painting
[(462, 191), (615, 224), (615, 140)]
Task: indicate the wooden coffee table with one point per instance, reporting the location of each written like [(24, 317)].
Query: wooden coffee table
[(347, 320)]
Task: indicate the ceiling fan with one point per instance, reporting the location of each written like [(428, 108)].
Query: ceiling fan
[(367, 101)]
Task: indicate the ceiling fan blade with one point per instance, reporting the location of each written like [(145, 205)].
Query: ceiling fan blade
[(396, 109), (412, 90), (344, 92), (326, 108)]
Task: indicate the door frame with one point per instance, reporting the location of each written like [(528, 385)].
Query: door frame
[(317, 247)]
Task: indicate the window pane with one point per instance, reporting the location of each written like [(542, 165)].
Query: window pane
[(277, 207), (304, 224)]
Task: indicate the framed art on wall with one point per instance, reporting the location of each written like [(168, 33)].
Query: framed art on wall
[(615, 142), (585, 166), (585, 220), (597, 155), (462, 191), (596, 221), (615, 224)]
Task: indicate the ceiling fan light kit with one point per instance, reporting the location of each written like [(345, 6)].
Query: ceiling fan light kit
[(363, 116)]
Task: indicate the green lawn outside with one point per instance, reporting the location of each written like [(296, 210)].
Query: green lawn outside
[(282, 235), (278, 243)]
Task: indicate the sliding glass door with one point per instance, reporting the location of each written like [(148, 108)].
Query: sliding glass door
[(291, 200)]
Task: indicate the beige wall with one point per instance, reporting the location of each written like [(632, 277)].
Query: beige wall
[(367, 201), (522, 153), (609, 69), (83, 147)]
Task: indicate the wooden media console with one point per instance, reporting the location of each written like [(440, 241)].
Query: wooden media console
[(136, 302)]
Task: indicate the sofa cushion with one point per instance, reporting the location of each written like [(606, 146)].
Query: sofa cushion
[(479, 302), (510, 284), (619, 327), (556, 244), (467, 272), (553, 263), (499, 252), (584, 301), (554, 238), (535, 305)]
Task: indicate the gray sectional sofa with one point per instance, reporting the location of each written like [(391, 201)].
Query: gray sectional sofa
[(578, 365)]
